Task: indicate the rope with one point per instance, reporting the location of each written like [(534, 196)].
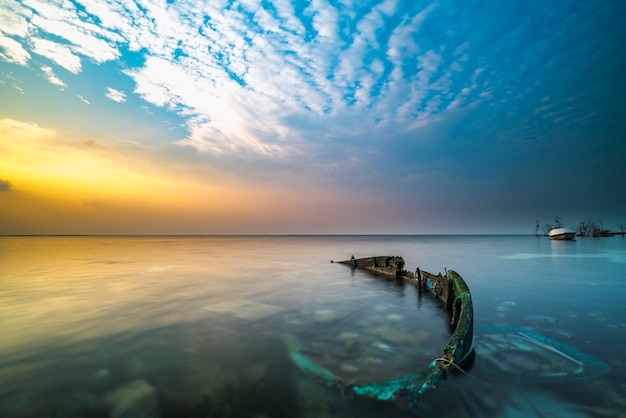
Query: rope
[(450, 362)]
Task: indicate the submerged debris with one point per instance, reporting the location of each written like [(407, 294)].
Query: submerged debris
[(405, 390), (134, 399), (527, 355)]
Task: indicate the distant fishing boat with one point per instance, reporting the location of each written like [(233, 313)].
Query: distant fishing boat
[(562, 234)]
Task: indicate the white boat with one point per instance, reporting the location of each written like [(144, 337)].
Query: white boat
[(562, 234)]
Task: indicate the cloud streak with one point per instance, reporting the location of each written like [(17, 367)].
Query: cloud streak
[(12, 51), (51, 77), (115, 95)]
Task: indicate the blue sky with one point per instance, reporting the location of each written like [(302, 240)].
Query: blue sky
[(380, 117)]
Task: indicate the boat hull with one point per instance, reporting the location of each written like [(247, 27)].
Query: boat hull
[(562, 234)]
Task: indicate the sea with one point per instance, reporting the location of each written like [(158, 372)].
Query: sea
[(209, 326)]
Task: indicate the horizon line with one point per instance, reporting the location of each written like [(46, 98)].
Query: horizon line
[(263, 235)]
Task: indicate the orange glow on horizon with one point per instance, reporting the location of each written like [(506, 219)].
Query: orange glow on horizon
[(67, 186)]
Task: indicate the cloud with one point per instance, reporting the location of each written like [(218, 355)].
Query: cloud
[(229, 74), (12, 51), (61, 34), (24, 130), (115, 95), (83, 38), (241, 75), (276, 80), (5, 185), (14, 18), (12, 81), (51, 77), (61, 54)]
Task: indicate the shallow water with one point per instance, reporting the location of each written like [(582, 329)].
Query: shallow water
[(197, 326)]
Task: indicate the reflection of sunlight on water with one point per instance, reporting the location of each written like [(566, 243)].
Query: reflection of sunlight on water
[(114, 313), (74, 289)]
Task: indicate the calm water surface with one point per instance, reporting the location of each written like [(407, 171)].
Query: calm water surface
[(200, 326)]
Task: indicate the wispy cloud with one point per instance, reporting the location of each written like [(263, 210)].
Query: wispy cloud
[(273, 79), (116, 95), (51, 77), (61, 54), (12, 81), (82, 36), (14, 18), (237, 74), (12, 51)]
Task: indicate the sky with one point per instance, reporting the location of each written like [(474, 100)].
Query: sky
[(310, 117)]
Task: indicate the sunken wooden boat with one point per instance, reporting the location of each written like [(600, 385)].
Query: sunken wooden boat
[(504, 351), (405, 391)]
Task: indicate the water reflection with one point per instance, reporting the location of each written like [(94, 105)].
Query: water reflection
[(197, 326), (190, 326)]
